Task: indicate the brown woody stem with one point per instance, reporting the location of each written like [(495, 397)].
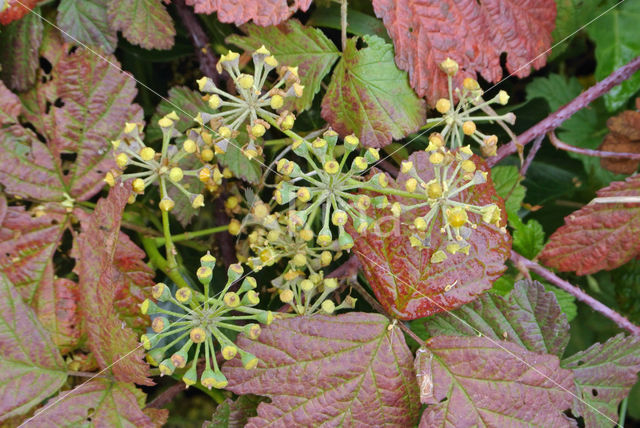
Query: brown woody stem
[(526, 264), (590, 152), (556, 119)]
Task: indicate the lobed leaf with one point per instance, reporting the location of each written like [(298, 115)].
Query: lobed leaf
[(623, 136), (350, 369), (368, 95), (426, 32), (604, 375), (143, 22), (31, 368), (19, 42), (598, 236), (295, 45), (86, 22), (261, 12), (477, 381)]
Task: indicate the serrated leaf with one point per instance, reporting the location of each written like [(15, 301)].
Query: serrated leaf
[(262, 12), (426, 32), (477, 381), (528, 238), (616, 44), (623, 136), (240, 165), (143, 22), (370, 97), (295, 45), (86, 22), (571, 17), (604, 375), (346, 370), (529, 317), (31, 367), (9, 106), (114, 345), (557, 90), (598, 236), (506, 180), (185, 102), (99, 403), (20, 42), (15, 9), (404, 279), (234, 414)]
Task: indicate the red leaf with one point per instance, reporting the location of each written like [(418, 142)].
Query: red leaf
[(350, 370), (598, 236), (426, 32), (477, 381), (624, 136), (404, 279), (262, 12), (112, 342), (143, 22), (9, 106), (16, 10)]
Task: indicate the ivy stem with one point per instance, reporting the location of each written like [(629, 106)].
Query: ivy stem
[(166, 231), (288, 133), (396, 192), (527, 265), (589, 152), (160, 262), (556, 119), (160, 240)]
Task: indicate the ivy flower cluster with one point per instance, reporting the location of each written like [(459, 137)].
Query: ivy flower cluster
[(330, 189), (252, 103), (454, 173), (151, 167), (458, 120), (193, 321)]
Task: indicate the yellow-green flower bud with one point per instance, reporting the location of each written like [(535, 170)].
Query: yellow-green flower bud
[(245, 81), (252, 331), (122, 160), (306, 285), (147, 153), (198, 335), (214, 101), (276, 102), (328, 306), (468, 127), (166, 368), (138, 186), (231, 299), (443, 105), (339, 218), (332, 167), (166, 204), (176, 174), (197, 201), (411, 185), (184, 295), (189, 146), (229, 351)]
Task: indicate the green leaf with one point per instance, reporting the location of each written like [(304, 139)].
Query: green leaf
[(294, 45), (86, 22), (604, 375), (234, 414), (31, 367), (100, 403), (555, 89), (358, 23), (506, 180), (19, 44), (185, 102), (143, 22), (617, 43), (571, 16), (370, 97), (241, 166), (528, 239)]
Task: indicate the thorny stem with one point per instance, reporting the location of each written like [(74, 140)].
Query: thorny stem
[(190, 235), (525, 264), (589, 152), (160, 262), (532, 154), (343, 23), (556, 119)]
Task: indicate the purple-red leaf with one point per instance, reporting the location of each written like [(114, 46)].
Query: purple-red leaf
[(16, 9), (477, 381), (113, 343), (529, 317), (598, 236), (31, 368), (19, 43), (262, 12), (368, 95), (604, 375), (99, 403), (404, 279), (347, 370), (143, 22), (426, 32)]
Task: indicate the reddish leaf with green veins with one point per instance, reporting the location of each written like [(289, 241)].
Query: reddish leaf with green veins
[(16, 9), (370, 97), (31, 367), (351, 369), (477, 381), (143, 22), (404, 279), (599, 236), (262, 12), (426, 32), (19, 43)]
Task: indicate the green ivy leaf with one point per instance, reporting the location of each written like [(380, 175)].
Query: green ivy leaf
[(86, 22), (370, 97), (19, 44), (617, 43), (350, 369), (31, 367), (294, 45), (604, 375), (143, 22), (528, 238)]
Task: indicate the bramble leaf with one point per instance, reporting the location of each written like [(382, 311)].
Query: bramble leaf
[(598, 236), (404, 279), (16, 10), (477, 381), (623, 136), (529, 317), (113, 343), (185, 102), (234, 414), (143, 22), (604, 375), (19, 43), (31, 368), (100, 403), (528, 238), (9, 106), (262, 12), (349, 369), (295, 45), (571, 16), (426, 32), (507, 181), (86, 22), (368, 95)]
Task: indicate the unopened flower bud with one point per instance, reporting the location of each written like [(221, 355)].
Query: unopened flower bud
[(449, 66), (206, 155), (197, 201), (231, 299), (503, 97), (286, 296), (468, 127), (443, 105), (147, 153), (138, 186), (252, 331), (406, 166), (411, 185), (328, 306), (276, 102), (339, 218), (176, 174), (166, 204), (326, 258), (197, 335), (122, 160), (183, 295), (245, 81), (235, 227)]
